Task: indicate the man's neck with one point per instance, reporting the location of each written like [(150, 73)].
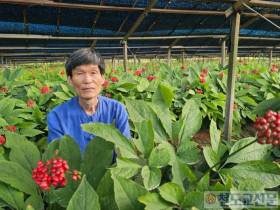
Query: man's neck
[(89, 106)]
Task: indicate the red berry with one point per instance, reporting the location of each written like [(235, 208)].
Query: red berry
[(268, 141), (267, 133), (261, 140), (277, 121), (275, 142), (277, 129), (74, 178), (63, 183)]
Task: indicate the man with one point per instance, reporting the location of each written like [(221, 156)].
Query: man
[(85, 71)]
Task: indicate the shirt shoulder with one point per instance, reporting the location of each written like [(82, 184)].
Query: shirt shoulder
[(110, 102), (64, 107)]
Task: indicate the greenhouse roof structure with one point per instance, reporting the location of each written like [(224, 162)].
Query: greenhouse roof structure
[(47, 30)]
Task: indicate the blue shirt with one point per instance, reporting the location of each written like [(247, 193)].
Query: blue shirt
[(68, 117)]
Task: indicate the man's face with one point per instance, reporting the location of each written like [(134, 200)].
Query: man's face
[(87, 81)]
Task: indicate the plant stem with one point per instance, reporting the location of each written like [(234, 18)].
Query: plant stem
[(49, 203), (224, 158)]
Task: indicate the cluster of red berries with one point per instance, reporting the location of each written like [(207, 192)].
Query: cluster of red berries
[(268, 128), (11, 128), (108, 95), (45, 89), (150, 78), (52, 173), (2, 140), (76, 175), (4, 89), (138, 72), (115, 79), (30, 103)]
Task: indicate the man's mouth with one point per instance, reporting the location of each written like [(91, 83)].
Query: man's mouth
[(88, 89)]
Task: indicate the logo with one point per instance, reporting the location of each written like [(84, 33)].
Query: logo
[(210, 198)]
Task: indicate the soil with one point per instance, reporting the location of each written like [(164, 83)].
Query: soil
[(202, 137)]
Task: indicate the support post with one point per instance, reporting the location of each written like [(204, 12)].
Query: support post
[(134, 60), (231, 76), (183, 59), (270, 59), (169, 57), (224, 53), (124, 55)]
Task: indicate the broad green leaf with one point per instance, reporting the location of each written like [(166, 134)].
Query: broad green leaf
[(127, 193), (11, 196), (51, 150), (161, 101), (84, 197), (180, 171), (30, 132), (188, 152), (151, 177), (159, 157), (106, 193), (62, 95), (128, 86), (145, 143), (37, 114), (251, 185), (70, 151), (143, 85), (211, 157), (66, 90), (101, 152), (24, 152), (194, 199), (247, 100), (140, 110), (227, 187), (3, 122), (18, 177), (211, 105), (155, 201), (29, 207), (65, 194), (6, 73), (172, 192), (266, 172), (126, 168), (16, 74), (6, 107), (176, 128), (215, 136), (192, 121), (276, 151), (254, 151), (44, 98), (261, 108), (35, 201), (112, 134), (203, 184)]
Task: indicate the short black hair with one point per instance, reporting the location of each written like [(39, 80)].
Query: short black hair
[(82, 57)]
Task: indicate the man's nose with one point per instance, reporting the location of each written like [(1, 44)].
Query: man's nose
[(87, 78)]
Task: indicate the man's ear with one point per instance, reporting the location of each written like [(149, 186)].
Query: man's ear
[(69, 80), (103, 77)]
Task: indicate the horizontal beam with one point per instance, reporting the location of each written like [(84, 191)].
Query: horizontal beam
[(49, 37), (131, 47), (268, 4)]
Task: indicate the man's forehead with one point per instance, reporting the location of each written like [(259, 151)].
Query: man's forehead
[(90, 66)]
